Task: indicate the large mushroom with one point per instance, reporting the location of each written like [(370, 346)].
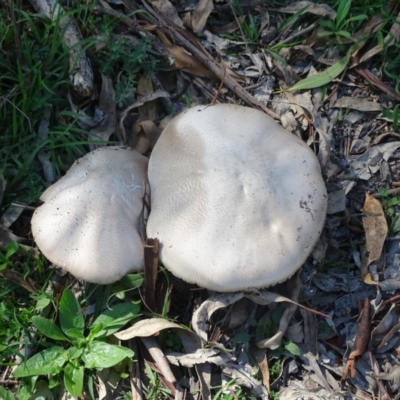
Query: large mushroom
[(237, 201), (90, 221)]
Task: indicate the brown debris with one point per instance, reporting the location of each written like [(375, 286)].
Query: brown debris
[(362, 339), (150, 273)]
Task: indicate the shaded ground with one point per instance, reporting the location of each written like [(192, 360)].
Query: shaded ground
[(151, 66)]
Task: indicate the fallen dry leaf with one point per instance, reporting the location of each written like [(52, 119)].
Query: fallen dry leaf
[(201, 14), (166, 9), (392, 38), (369, 163), (375, 227), (322, 10), (147, 327), (357, 104), (184, 60)]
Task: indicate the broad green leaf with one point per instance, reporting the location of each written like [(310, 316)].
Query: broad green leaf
[(74, 353), (114, 319), (104, 355), (5, 394), (130, 281), (48, 361), (48, 328), (73, 379), (324, 77), (292, 348), (343, 33), (359, 17), (42, 303), (70, 312), (74, 334), (11, 249)]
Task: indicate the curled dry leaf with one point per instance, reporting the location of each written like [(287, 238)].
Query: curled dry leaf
[(262, 297), (375, 227), (138, 103)]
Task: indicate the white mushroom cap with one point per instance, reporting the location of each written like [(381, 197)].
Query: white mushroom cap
[(89, 223), (237, 201)]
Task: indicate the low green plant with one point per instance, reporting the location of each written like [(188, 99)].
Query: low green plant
[(341, 25), (154, 388), (6, 257), (389, 204), (231, 391), (73, 349), (393, 115)]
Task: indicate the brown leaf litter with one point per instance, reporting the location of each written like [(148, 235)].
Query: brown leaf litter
[(357, 259)]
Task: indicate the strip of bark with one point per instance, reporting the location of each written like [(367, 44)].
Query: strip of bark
[(150, 273), (81, 73)]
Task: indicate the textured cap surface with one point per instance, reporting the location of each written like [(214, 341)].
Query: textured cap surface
[(237, 201), (89, 223)]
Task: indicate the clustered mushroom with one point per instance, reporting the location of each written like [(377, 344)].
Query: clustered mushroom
[(90, 221), (237, 202)]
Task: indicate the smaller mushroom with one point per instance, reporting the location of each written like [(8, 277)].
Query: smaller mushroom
[(90, 221), (237, 202)]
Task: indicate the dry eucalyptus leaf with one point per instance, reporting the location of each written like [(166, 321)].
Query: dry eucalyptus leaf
[(291, 393), (380, 333), (136, 104), (7, 237), (186, 62), (392, 38), (11, 214), (167, 10), (147, 327), (151, 130), (357, 104), (240, 372), (189, 360), (263, 297), (208, 307), (317, 9), (369, 163), (375, 227), (200, 14), (275, 341)]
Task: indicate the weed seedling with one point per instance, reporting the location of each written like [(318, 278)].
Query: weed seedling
[(74, 350), (340, 26)]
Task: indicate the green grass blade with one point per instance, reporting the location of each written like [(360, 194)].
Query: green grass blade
[(324, 77)]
